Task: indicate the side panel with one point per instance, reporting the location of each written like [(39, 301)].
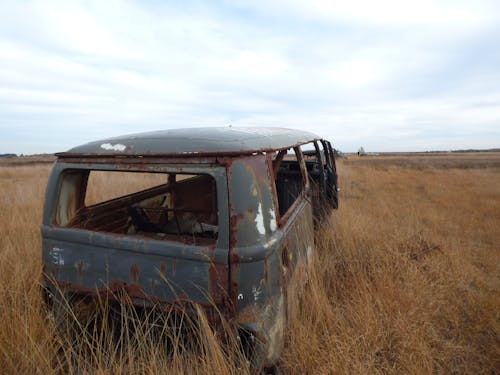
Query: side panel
[(265, 261)]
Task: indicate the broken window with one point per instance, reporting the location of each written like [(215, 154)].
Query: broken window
[(311, 151), (104, 185), (313, 157), (163, 206), (288, 177)]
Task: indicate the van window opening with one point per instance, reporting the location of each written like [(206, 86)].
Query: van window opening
[(162, 206), (313, 158), (288, 178), (313, 153)]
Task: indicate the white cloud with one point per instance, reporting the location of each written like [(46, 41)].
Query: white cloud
[(248, 64), (388, 13), (385, 72), (354, 73)]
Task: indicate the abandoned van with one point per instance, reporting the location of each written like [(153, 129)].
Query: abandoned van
[(218, 217)]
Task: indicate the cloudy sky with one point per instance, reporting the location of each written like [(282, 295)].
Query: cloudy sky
[(387, 75)]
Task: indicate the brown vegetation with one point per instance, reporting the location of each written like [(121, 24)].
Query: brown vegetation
[(27, 160), (406, 280)]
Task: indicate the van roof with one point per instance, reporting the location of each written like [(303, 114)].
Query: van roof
[(196, 141)]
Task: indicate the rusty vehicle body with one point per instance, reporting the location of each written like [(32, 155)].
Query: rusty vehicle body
[(229, 227)]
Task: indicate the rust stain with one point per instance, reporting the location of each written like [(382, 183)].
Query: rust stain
[(79, 270), (174, 266), (218, 276), (233, 226), (249, 314), (266, 270), (134, 274), (153, 284), (163, 268)]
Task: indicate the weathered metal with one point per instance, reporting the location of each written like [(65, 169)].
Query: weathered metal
[(261, 215), (196, 142)]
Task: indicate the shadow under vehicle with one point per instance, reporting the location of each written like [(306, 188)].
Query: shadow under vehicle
[(218, 217)]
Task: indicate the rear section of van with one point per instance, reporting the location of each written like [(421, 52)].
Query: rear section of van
[(157, 231)]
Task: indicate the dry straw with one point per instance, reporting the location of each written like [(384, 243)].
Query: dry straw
[(406, 279)]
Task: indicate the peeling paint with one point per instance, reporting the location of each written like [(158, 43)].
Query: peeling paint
[(256, 293), (259, 221), (272, 220), (57, 256), (110, 147), (276, 331)]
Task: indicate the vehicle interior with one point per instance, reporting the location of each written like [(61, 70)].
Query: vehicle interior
[(288, 176), (180, 208)]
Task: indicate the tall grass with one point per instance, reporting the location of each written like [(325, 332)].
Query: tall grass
[(406, 279), (407, 276)]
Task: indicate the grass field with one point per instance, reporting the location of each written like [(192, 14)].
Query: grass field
[(406, 280)]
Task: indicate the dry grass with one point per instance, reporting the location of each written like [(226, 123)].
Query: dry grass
[(121, 183), (406, 280)]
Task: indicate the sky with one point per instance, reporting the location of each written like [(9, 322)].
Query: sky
[(386, 75)]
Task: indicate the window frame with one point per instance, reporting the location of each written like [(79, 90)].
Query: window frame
[(282, 220), (80, 189)]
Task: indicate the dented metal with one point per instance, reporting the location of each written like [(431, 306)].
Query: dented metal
[(259, 253)]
